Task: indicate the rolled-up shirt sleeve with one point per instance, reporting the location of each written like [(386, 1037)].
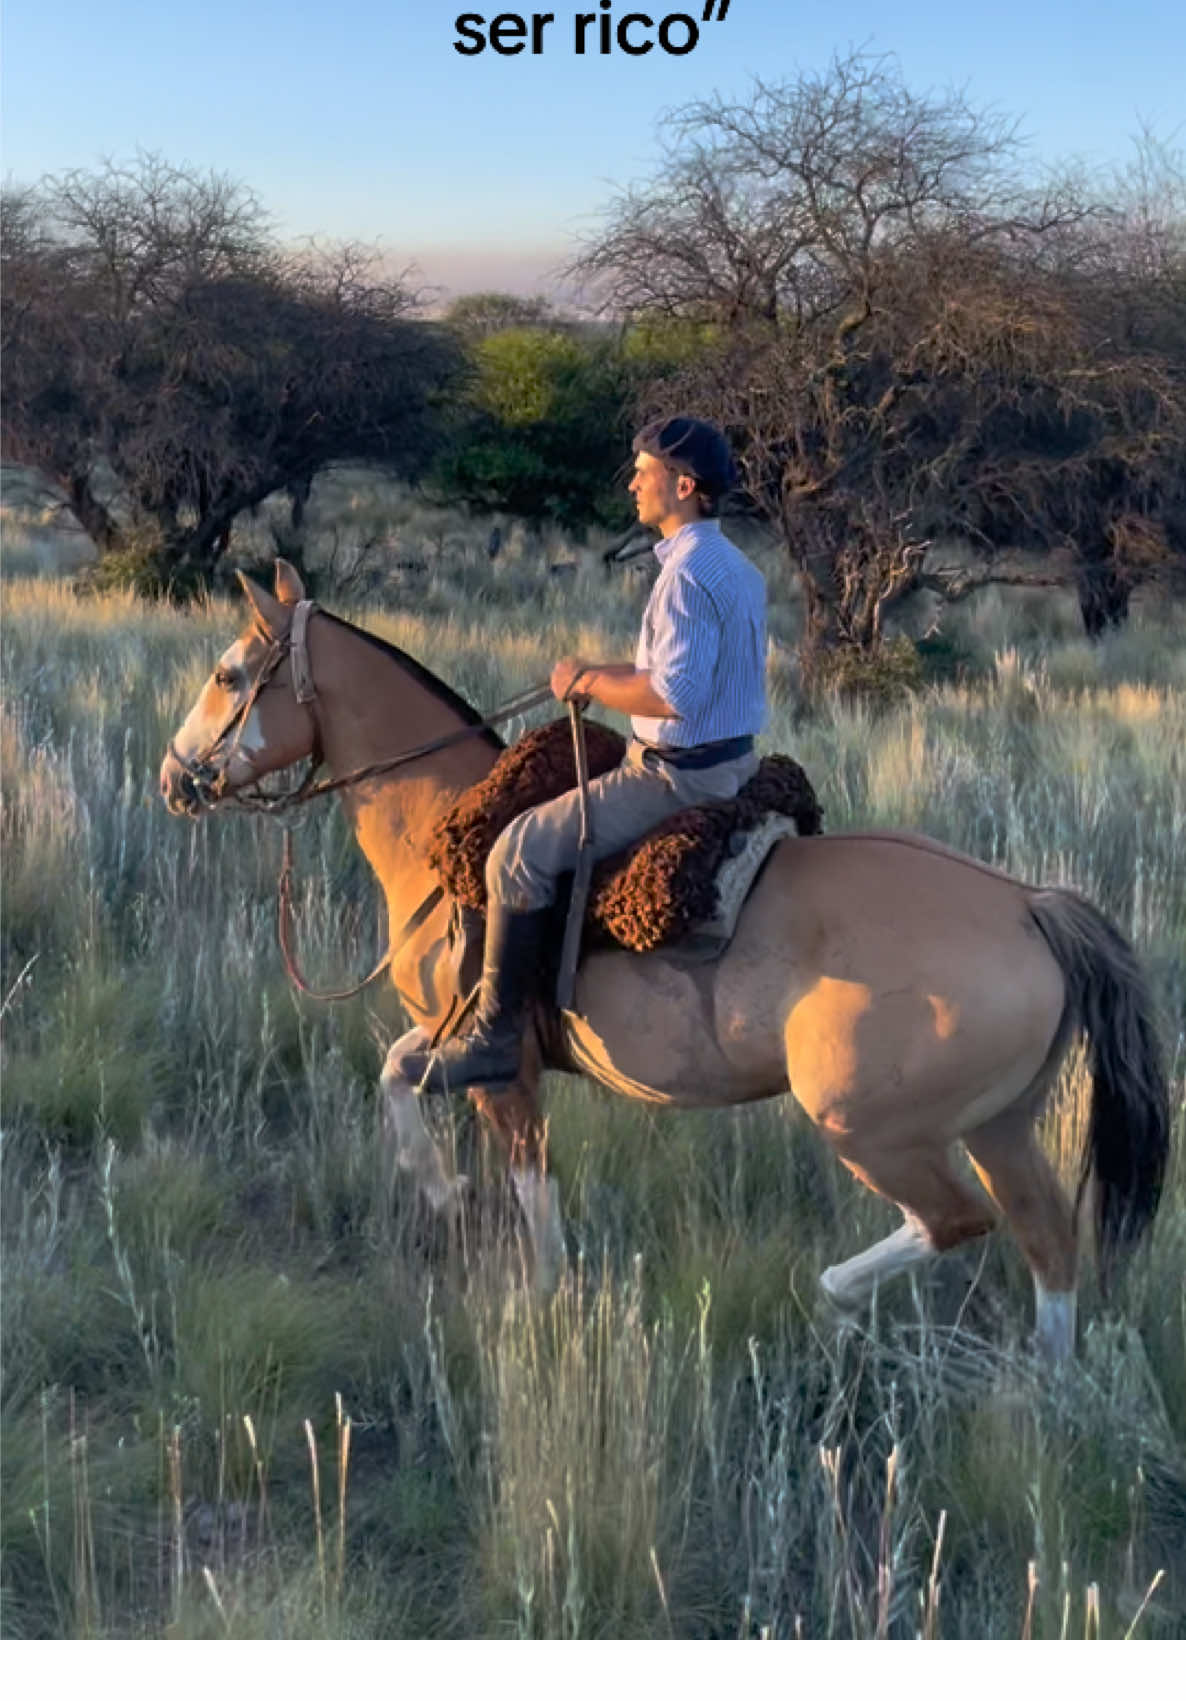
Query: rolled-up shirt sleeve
[(686, 638)]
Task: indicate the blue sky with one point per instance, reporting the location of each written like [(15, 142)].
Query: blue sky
[(359, 119)]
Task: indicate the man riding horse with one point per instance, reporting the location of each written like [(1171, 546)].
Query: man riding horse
[(911, 999), (695, 694)]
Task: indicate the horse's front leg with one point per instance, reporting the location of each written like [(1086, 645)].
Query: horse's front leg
[(512, 1114), (406, 1145)]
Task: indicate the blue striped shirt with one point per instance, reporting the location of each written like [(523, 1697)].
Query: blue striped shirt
[(703, 640)]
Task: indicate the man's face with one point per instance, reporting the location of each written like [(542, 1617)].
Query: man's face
[(657, 491)]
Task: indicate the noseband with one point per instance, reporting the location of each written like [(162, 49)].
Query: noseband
[(210, 783)]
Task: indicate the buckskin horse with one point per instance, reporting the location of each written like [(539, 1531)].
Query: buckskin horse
[(908, 996)]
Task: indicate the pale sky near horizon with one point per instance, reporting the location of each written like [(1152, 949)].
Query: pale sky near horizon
[(362, 122)]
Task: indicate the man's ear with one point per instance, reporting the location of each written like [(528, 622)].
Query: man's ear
[(685, 486), (289, 586), (269, 612)]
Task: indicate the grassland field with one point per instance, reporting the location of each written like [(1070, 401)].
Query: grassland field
[(245, 1394)]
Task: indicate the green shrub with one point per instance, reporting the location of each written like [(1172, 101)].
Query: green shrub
[(540, 430), (880, 677)]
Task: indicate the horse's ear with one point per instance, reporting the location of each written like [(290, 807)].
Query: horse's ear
[(267, 609), (289, 587)]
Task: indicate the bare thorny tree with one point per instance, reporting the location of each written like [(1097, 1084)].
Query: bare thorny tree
[(168, 365), (906, 336)]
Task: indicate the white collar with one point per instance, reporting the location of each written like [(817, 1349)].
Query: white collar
[(666, 545)]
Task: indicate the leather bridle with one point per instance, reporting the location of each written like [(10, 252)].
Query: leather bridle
[(211, 784)]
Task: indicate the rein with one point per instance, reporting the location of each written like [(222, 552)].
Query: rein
[(210, 784), (284, 934), (519, 705)]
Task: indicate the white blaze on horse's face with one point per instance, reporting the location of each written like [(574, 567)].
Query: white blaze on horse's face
[(232, 682), (200, 740)]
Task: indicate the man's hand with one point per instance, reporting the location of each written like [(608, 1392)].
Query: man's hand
[(565, 675), (615, 685)]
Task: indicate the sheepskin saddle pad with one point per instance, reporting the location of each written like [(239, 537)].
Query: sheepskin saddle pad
[(688, 876)]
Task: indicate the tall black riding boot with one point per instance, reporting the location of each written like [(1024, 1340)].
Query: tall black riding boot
[(489, 1055)]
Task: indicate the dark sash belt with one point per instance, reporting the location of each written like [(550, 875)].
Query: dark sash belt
[(701, 755)]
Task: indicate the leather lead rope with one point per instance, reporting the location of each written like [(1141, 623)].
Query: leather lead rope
[(284, 934)]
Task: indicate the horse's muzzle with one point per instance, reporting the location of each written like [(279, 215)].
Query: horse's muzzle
[(179, 789)]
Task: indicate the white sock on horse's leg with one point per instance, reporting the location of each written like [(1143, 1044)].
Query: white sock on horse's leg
[(539, 1201), (853, 1282), (1054, 1323), (408, 1145)]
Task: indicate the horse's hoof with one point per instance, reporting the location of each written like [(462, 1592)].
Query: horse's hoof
[(837, 1294)]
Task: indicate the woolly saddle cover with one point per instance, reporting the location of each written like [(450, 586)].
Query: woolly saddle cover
[(654, 893)]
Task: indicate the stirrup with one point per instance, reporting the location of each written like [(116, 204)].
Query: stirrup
[(440, 1068)]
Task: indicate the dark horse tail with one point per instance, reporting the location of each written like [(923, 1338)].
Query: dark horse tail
[(1108, 999)]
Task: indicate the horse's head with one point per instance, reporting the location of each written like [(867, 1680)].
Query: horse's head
[(252, 716)]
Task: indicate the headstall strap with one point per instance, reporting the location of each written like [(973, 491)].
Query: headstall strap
[(302, 673)]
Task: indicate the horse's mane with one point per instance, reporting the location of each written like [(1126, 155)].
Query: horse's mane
[(423, 676)]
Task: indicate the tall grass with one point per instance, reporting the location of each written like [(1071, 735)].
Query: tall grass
[(247, 1393)]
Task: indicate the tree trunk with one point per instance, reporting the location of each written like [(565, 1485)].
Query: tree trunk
[(91, 515), (189, 559), (844, 592), (299, 491), (1103, 597), (828, 638), (289, 540), (822, 629), (185, 561)]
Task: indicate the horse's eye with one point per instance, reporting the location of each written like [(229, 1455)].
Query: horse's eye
[(224, 677)]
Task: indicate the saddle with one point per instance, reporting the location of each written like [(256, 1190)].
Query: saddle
[(681, 885)]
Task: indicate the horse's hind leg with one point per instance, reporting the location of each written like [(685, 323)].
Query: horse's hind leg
[(940, 1208), (1017, 1173)]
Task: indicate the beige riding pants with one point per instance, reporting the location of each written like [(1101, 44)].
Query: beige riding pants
[(542, 843)]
